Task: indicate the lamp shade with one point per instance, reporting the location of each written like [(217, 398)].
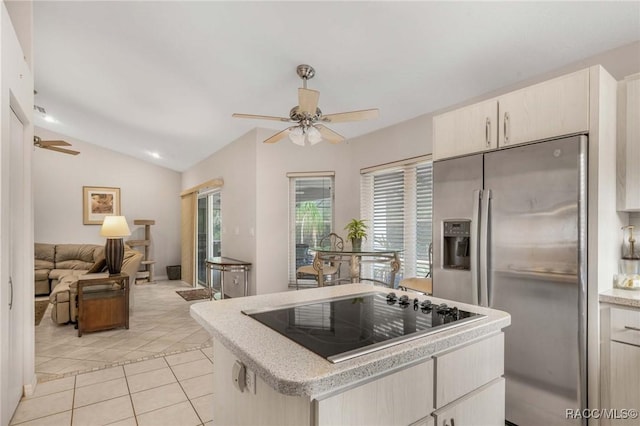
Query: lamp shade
[(115, 227)]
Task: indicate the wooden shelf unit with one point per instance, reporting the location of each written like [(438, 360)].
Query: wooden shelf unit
[(146, 272)]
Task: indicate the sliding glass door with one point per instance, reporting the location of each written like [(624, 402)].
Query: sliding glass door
[(208, 233)]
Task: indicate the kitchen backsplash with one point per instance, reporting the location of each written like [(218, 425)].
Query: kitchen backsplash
[(634, 219)]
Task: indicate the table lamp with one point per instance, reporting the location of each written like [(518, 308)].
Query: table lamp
[(114, 228)]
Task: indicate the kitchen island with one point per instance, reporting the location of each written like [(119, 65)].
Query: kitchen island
[(452, 374)]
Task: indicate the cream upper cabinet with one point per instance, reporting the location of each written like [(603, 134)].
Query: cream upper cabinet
[(554, 108), (629, 143), (467, 130)]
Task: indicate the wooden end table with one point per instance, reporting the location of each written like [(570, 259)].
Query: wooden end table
[(103, 302)]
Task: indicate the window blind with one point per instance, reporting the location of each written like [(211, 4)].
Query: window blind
[(397, 203), (424, 213)]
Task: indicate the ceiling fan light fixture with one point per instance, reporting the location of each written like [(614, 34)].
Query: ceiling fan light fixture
[(296, 135), (309, 117), (313, 135)]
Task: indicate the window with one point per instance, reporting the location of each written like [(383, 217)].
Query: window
[(208, 232), (396, 200), (310, 217)]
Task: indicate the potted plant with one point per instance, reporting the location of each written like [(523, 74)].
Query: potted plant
[(356, 231)]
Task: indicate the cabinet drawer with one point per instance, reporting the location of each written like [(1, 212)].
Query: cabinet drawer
[(484, 406), (625, 326), (461, 371), (399, 398)]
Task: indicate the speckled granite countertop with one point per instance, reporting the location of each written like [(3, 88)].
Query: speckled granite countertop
[(293, 370), (617, 296)]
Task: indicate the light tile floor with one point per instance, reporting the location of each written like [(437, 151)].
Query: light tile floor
[(166, 390), (159, 372), (159, 323)]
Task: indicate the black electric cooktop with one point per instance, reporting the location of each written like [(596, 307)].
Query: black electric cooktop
[(342, 328)]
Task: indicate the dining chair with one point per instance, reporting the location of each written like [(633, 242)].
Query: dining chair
[(330, 268)]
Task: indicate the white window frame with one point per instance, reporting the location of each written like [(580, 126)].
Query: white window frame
[(409, 168), (293, 176)]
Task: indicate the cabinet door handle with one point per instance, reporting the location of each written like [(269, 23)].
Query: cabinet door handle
[(628, 327), (487, 131), (506, 127)]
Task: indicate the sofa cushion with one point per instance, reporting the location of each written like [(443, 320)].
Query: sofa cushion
[(44, 256), (41, 274), (77, 256)]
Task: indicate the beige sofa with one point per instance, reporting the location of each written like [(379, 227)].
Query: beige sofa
[(55, 261), (64, 295)]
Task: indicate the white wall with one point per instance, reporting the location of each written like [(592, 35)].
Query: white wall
[(411, 138), (147, 192), (262, 205), (274, 162), (17, 346), (236, 165), (255, 199)]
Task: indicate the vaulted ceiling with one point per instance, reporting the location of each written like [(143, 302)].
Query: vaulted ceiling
[(165, 77)]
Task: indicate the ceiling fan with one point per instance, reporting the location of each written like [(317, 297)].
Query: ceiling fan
[(54, 145), (309, 117)]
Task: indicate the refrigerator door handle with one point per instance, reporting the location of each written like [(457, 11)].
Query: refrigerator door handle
[(485, 255), (473, 250)]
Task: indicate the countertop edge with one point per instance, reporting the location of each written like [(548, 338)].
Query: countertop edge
[(621, 297), (307, 374)]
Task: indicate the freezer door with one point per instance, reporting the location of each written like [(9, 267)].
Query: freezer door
[(457, 184), (533, 253)]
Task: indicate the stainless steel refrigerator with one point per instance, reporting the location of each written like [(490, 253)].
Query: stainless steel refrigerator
[(510, 232)]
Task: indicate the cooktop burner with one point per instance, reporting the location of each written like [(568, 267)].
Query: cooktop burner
[(342, 328)]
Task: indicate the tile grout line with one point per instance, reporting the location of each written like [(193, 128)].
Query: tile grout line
[(133, 407), (185, 392), (73, 400)]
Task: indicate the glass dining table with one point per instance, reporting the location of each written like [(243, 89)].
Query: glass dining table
[(355, 258)]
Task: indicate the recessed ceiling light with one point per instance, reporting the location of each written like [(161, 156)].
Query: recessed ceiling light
[(50, 119), (154, 155)]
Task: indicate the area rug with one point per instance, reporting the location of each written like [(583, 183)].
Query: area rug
[(197, 294), (41, 307)]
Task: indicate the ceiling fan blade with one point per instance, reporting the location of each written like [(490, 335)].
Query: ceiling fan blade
[(54, 143), (278, 136), (64, 151), (329, 134), (262, 117), (365, 114), (308, 100)]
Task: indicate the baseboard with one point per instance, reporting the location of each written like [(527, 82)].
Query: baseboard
[(30, 388)]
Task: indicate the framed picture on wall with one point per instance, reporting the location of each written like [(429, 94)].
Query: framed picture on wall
[(98, 202)]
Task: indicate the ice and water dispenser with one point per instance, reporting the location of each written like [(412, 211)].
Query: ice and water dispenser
[(456, 244)]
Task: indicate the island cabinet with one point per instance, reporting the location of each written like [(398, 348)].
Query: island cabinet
[(261, 377), (620, 353), (554, 108), (460, 386)]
